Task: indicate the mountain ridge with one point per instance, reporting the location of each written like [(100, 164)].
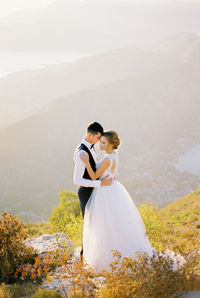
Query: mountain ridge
[(28, 90), (41, 147), (151, 112)]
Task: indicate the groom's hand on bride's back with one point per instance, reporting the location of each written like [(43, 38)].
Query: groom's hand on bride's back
[(106, 181)]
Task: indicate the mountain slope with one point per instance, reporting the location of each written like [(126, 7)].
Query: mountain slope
[(185, 45), (150, 112), (26, 92), (184, 211)]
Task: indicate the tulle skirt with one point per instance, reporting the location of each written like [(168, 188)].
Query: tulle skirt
[(112, 222)]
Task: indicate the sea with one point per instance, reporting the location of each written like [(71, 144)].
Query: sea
[(190, 161)]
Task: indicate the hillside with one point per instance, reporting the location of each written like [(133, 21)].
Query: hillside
[(155, 110), (177, 43), (184, 211), (36, 154), (65, 228), (185, 45), (26, 92)]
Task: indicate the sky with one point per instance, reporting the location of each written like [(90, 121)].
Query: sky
[(10, 6)]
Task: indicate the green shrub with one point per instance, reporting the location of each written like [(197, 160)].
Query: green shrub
[(154, 223), (39, 228), (44, 293), (21, 290), (74, 229), (4, 293), (165, 235), (13, 251), (67, 217), (143, 277)]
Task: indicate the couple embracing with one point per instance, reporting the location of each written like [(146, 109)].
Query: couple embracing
[(111, 218)]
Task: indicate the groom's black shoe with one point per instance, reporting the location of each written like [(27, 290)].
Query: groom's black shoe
[(81, 254)]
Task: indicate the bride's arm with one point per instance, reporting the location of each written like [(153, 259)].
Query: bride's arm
[(94, 175)]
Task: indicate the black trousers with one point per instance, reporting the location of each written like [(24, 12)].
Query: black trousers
[(84, 194)]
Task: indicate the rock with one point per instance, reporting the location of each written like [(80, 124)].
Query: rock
[(178, 260), (190, 294), (62, 284), (62, 280), (50, 242), (76, 257)]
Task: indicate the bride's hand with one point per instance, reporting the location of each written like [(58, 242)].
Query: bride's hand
[(84, 157)]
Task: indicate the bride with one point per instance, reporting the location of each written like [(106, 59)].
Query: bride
[(112, 220)]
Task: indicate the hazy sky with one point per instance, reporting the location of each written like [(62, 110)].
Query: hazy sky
[(10, 6)]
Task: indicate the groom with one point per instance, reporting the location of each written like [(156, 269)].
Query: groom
[(81, 177)]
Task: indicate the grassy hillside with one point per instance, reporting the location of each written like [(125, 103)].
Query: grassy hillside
[(184, 211), (163, 234)]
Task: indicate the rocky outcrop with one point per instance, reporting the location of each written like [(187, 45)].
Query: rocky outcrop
[(60, 278), (50, 242)]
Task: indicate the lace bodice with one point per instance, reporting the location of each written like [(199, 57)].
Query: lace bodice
[(111, 170)]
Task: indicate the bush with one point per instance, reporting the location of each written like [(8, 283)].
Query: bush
[(4, 293), (143, 277), (27, 289), (67, 218), (138, 277), (39, 228), (154, 223), (74, 229), (20, 290), (44, 293), (13, 251)]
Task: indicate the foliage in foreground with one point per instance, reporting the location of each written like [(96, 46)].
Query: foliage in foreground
[(38, 229), (141, 277), (28, 289), (67, 218), (13, 251), (45, 293), (146, 277)]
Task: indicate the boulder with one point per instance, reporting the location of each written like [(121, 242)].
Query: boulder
[(50, 242)]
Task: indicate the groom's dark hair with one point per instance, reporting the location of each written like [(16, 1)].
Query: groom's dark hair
[(94, 128)]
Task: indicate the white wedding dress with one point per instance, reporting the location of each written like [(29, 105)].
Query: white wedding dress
[(112, 222)]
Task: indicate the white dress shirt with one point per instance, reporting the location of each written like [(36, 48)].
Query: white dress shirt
[(79, 168)]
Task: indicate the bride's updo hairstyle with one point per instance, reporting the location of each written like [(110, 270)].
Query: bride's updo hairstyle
[(112, 137)]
